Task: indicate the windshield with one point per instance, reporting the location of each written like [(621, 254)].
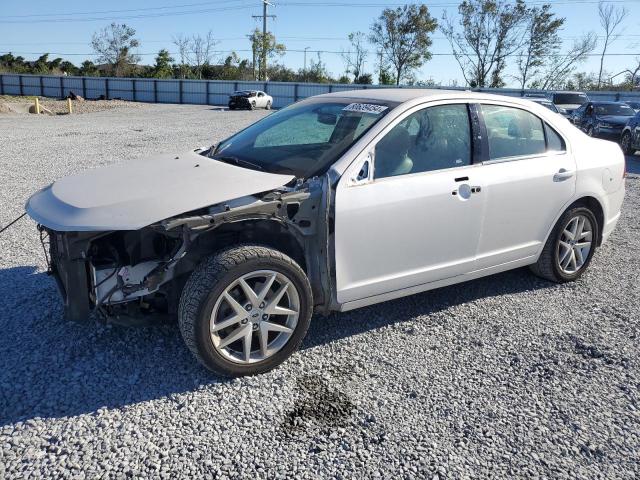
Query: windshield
[(569, 98), (303, 139), (614, 109)]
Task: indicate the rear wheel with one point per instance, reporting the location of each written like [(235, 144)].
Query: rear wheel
[(245, 310), (570, 247), (268, 106), (625, 143)]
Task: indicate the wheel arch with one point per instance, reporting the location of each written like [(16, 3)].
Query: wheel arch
[(267, 232), (588, 201)]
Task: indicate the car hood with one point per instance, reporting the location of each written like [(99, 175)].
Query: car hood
[(138, 193), (615, 119)]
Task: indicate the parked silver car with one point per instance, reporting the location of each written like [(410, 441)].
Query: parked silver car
[(337, 202)]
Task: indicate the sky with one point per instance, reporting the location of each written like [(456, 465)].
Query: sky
[(30, 28)]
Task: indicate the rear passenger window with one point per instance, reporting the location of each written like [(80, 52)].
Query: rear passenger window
[(512, 132), (555, 143)]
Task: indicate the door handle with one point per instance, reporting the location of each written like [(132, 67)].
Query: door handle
[(562, 174)]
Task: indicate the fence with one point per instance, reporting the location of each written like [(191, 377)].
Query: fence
[(206, 92)]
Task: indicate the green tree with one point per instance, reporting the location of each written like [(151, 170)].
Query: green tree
[(68, 68), (163, 67), (88, 69), (385, 77), (488, 32), (364, 79), (114, 46), (403, 36), (264, 47), (541, 40)]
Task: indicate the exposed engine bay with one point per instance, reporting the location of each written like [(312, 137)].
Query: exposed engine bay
[(126, 275)]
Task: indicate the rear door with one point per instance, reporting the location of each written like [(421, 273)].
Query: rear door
[(529, 177)]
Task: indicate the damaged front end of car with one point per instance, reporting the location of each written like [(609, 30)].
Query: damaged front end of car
[(137, 276)]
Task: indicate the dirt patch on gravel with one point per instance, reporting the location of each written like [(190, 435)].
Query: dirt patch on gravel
[(59, 107)]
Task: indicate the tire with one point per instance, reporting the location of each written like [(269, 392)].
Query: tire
[(203, 305), (232, 108), (590, 131), (268, 106), (252, 106), (625, 143), (548, 265)]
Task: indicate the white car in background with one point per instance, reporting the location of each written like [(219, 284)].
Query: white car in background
[(336, 202), (250, 99)]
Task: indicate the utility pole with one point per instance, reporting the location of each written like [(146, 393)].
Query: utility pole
[(265, 42), (305, 62)]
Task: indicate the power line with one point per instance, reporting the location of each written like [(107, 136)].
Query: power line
[(616, 54), (73, 17), (99, 12), (129, 17)]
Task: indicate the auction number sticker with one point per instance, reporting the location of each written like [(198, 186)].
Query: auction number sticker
[(365, 108)]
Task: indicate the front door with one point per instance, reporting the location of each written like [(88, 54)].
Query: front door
[(414, 215)]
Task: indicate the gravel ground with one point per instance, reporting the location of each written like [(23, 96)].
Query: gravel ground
[(60, 106), (503, 377)]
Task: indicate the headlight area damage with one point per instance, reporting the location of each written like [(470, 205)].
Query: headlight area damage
[(128, 275)]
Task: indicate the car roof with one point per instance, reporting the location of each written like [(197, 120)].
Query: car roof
[(402, 95)]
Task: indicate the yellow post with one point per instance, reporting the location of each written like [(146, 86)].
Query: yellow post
[(69, 107), (37, 102)]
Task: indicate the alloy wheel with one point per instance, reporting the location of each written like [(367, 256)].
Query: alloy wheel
[(255, 316), (574, 244)]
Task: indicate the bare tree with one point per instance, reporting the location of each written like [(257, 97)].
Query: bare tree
[(182, 44), (356, 56), (561, 66), (201, 49), (611, 18), (541, 40), (490, 32), (403, 36), (113, 46)]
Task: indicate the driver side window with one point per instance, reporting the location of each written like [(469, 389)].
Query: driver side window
[(434, 138)]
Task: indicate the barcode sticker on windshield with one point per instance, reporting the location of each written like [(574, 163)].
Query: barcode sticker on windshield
[(365, 108)]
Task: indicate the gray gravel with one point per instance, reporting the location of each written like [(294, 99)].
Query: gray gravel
[(503, 377)]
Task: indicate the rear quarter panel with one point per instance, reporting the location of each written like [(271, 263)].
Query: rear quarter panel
[(600, 174)]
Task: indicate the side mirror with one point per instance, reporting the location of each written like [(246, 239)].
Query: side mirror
[(364, 174)]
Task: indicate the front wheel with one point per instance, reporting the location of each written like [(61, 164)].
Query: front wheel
[(569, 248), (268, 106), (245, 310), (252, 105), (625, 143), (590, 131)]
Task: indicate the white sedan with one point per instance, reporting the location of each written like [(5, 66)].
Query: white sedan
[(336, 202)]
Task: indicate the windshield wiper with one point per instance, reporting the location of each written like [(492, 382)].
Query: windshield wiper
[(238, 161)]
